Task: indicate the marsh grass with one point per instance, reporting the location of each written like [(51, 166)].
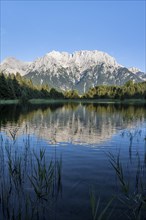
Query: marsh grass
[(129, 198), (132, 195), (28, 188), (97, 213)]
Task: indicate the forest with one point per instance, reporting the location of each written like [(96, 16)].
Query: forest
[(17, 87), (130, 90)]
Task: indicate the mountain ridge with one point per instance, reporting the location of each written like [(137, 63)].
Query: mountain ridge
[(79, 70)]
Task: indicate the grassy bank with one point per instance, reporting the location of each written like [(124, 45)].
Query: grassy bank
[(50, 101), (9, 102)]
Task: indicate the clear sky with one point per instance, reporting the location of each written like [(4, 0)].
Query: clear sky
[(30, 29)]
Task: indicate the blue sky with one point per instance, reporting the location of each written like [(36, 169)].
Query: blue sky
[(30, 29)]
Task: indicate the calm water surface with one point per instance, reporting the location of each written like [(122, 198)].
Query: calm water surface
[(82, 135)]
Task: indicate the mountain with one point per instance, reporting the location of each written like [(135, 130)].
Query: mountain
[(12, 65), (138, 72), (80, 70)]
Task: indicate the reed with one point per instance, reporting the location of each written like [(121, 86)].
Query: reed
[(132, 196), (117, 166), (105, 213), (27, 181)]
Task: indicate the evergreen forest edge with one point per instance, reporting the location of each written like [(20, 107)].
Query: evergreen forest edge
[(14, 87)]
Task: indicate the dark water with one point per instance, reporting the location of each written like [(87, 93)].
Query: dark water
[(83, 135)]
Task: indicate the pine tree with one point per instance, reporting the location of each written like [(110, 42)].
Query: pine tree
[(3, 87)]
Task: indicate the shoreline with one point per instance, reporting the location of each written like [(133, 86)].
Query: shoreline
[(88, 101)]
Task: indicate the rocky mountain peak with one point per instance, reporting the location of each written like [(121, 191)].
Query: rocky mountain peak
[(12, 65), (80, 70)]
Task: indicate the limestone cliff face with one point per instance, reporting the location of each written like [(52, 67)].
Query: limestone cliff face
[(80, 70)]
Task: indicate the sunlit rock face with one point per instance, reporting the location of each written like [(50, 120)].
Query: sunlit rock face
[(80, 70), (77, 124), (12, 65), (138, 72)]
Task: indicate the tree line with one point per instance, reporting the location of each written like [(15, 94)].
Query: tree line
[(130, 90), (17, 87)]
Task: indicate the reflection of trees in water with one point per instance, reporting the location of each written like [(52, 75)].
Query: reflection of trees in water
[(90, 123), (128, 112), (17, 113)]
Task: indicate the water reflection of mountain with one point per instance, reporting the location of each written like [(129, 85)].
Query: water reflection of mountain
[(90, 123)]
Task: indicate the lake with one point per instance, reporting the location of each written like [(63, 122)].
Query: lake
[(98, 154)]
